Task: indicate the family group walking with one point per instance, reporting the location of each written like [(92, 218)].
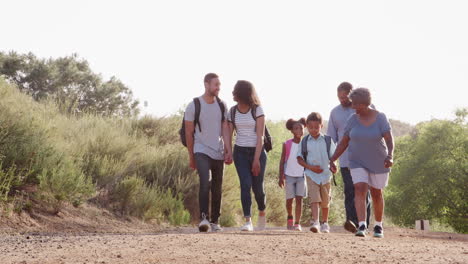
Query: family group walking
[(358, 135)]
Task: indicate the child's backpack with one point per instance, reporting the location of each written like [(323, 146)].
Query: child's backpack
[(267, 140), (328, 140), (196, 120)]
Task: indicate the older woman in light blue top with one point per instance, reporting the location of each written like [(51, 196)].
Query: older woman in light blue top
[(369, 141)]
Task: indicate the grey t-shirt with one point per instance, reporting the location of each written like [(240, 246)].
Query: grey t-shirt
[(336, 125), (209, 141), (367, 147)]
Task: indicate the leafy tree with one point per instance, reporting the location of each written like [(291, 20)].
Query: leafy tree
[(70, 82), (430, 177)]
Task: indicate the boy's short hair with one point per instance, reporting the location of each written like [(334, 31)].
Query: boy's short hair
[(345, 87), (314, 116), (210, 76)]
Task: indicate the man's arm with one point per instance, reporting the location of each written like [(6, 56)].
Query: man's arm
[(227, 138), (189, 133)]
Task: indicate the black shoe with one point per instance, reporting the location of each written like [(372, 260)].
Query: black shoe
[(361, 232), (350, 226), (378, 231)]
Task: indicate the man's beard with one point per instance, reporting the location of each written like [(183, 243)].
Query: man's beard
[(347, 104), (214, 94)]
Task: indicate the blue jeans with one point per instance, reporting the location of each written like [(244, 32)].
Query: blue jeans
[(243, 159), (349, 198)]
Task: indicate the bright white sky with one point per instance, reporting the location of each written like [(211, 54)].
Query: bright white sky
[(413, 55)]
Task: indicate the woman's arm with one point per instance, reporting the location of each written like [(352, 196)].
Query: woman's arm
[(342, 146), (281, 166), (227, 130), (258, 149), (388, 137)]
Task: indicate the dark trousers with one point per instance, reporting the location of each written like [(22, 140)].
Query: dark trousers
[(243, 159), (205, 164), (349, 198)]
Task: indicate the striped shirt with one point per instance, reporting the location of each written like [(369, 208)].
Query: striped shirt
[(245, 127)]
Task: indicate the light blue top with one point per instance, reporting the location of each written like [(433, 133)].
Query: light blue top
[(336, 125), (367, 148), (317, 155)]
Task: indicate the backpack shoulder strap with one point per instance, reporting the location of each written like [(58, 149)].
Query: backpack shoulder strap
[(328, 143), (221, 106), (196, 121), (253, 111), (232, 113), (304, 147), (288, 145)]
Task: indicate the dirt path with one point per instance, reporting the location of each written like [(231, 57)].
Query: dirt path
[(230, 246)]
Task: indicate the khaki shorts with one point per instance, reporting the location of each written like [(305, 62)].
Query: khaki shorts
[(319, 193)]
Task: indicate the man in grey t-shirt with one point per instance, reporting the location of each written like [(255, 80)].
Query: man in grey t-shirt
[(336, 127), (208, 148)]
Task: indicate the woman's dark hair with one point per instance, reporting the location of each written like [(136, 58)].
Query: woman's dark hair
[(291, 122), (245, 93), (314, 116)]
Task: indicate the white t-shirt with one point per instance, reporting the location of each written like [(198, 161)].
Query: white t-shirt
[(293, 168), (245, 127)]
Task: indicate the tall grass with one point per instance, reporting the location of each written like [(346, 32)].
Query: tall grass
[(74, 158)]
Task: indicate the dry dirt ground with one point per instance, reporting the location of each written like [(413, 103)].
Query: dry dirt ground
[(231, 246), (91, 235)]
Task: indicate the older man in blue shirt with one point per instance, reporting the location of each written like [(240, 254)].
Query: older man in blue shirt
[(336, 124)]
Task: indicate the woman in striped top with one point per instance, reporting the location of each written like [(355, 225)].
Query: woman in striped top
[(248, 119)]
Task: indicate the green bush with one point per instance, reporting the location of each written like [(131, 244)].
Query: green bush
[(134, 197), (430, 175)]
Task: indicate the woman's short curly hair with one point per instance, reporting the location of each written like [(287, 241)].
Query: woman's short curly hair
[(361, 96), (291, 122)]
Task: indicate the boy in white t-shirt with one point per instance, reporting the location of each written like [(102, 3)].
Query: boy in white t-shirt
[(292, 174)]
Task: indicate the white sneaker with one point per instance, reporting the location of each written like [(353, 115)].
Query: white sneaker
[(215, 227), (204, 225), (261, 224), (315, 228), (247, 227), (325, 228)]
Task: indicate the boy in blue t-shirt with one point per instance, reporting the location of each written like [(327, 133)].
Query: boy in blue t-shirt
[(316, 163)]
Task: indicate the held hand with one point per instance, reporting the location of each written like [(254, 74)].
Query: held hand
[(192, 163), (256, 168), (316, 169), (228, 158), (281, 181), (333, 168), (388, 162)]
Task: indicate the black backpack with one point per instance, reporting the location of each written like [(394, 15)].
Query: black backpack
[(267, 140), (196, 120), (328, 140)]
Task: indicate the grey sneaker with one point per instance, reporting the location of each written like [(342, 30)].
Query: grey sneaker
[(315, 228), (297, 227), (215, 227), (325, 228), (378, 231), (261, 224), (362, 231)]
